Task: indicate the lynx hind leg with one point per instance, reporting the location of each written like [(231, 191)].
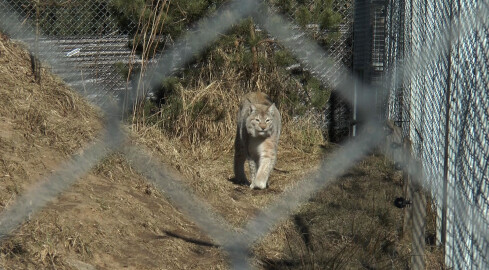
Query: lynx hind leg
[(239, 162)]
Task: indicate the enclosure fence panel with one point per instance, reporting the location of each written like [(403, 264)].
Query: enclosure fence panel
[(443, 108), (338, 43), (89, 32), (428, 62), (236, 242)]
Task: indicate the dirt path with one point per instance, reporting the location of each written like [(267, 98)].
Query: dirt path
[(209, 173)]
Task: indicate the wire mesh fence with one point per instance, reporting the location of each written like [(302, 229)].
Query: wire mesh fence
[(337, 42), (94, 38), (442, 107), (434, 91)]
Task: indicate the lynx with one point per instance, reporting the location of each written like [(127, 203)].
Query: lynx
[(257, 134)]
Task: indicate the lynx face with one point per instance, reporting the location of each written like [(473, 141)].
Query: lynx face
[(260, 121)]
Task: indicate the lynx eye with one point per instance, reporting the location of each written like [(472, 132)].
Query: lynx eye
[(257, 119), (268, 120)]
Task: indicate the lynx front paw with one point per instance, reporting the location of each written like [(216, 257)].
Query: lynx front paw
[(258, 185)]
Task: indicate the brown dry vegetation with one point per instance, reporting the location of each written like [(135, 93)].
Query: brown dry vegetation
[(199, 139), (112, 218), (40, 125), (349, 225)]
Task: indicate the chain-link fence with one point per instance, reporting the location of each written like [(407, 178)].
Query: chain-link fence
[(337, 41), (102, 42), (435, 92), (91, 33), (339, 120), (442, 105)]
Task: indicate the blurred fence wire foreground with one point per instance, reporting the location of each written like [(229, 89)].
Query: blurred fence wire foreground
[(426, 64)]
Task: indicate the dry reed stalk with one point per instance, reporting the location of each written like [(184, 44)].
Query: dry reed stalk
[(148, 30)]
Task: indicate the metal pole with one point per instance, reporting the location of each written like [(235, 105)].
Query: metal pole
[(419, 227), (354, 130), (447, 140)]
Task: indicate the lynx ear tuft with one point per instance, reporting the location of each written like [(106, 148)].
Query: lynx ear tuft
[(271, 109), (253, 108)]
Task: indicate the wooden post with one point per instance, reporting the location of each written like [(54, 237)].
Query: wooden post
[(407, 188), (35, 63), (444, 218), (419, 228), (407, 222), (415, 215)]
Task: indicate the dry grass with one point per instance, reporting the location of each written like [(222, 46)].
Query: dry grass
[(349, 225), (202, 103), (112, 218), (352, 224), (207, 113), (198, 140), (208, 171), (40, 124)]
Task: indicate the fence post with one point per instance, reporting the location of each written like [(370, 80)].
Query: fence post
[(419, 226), (35, 62), (332, 121), (447, 138), (407, 222), (414, 216)]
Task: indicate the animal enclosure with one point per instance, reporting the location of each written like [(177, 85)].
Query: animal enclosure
[(421, 64)]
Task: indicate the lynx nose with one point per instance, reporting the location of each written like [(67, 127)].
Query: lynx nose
[(263, 126)]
